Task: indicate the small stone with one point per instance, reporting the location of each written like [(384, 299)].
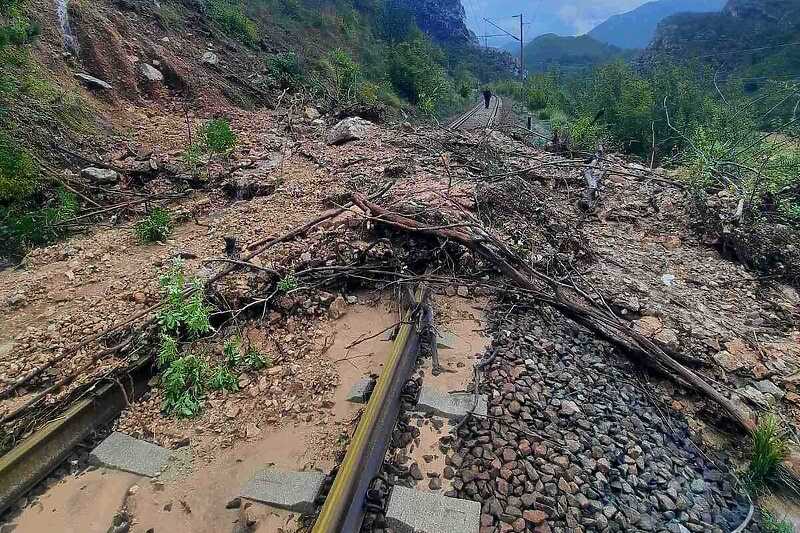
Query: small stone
[(415, 472), (698, 486), (535, 517), (768, 387), (151, 73), (338, 308), (210, 58), (100, 175), (234, 503), (463, 291), (569, 408), (435, 483)]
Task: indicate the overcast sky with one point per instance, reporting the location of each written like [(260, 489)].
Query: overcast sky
[(564, 17)]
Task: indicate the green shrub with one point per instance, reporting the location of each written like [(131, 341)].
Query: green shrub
[(22, 226), (771, 524), (769, 451), (155, 227), (222, 379), (19, 174), (218, 136), (183, 312), (168, 350), (285, 70), (586, 134), (230, 16), (184, 383), (232, 353), (416, 72)]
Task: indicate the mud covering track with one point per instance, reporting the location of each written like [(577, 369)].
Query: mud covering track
[(573, 442)]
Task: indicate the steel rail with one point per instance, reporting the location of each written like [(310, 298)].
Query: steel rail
[(37, 456), (465, 117), (343, 510)]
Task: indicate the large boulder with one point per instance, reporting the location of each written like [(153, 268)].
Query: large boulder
[(349, 129)]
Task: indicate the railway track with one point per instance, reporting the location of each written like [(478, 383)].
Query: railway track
[(479, 116), (344, 507)]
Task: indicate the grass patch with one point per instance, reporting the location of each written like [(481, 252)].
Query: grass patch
[(770, 524), (22, 226), (19, 174), (769, 450), (155, 227)]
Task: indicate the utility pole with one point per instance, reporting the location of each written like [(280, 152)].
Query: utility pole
[(520, 38), (521, 50)]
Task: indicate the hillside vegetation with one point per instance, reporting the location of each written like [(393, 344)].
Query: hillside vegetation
[(375, 60)]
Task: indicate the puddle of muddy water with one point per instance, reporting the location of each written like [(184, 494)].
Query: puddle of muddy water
[(195, 502)]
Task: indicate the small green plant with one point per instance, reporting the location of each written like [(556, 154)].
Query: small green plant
[(288, 283), (168, 351), (255, 360), (770, 524), (183, 311), (219, 137), (223, 379), (769, 450), (155, 227), (232, 352), (22, 227), (184, 383), (230, 16)]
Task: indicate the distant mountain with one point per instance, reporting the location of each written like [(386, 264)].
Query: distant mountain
[(550, 50), (636, 28), (760, 35)]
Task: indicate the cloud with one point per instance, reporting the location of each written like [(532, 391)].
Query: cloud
[(566, 17)]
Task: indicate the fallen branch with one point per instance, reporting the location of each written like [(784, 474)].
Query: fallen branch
[(549, 291)]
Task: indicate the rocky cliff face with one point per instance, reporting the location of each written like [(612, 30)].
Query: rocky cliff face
[(443, 20), (729, 35)]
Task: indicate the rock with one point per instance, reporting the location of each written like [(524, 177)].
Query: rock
[(568, 408), (415, 472), (210, 58), (17, 300), (407, 127), (252, 430), (668, 338), (649, 326), (535, 517), (94, 83), (338, 308), (463, 291), (234, 503), (768, 387), (151, 73), (311, 113), (349, 129), (435, 483), (100, 175), (233, 411), (698, 486)]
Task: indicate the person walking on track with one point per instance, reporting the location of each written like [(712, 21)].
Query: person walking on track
[(487, 97)]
